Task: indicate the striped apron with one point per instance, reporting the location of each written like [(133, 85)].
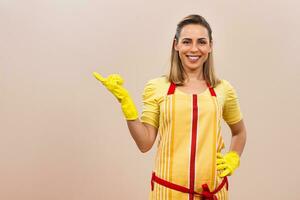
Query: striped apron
[(189, 139)]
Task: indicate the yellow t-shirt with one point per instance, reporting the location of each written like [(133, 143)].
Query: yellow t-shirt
[(156, 89)]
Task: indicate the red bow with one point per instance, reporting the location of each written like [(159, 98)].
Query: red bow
[(207, 194)]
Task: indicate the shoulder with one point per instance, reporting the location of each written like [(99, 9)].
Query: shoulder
[(223, 82), (224, 85), (158, 85), (162, 80), (225, 90)]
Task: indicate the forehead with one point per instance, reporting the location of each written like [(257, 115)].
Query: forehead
[(194, 31)]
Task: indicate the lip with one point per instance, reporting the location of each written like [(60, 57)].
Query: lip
[(199, 57), (193, 61)]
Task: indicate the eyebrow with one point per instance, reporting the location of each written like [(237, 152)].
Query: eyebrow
[(191, 39)]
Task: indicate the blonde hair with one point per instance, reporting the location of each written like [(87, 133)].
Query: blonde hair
[(177, 72)]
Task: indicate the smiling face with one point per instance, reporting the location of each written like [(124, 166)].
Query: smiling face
[(193, 46)]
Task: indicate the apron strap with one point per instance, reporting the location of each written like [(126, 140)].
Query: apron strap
[(211, 89), (173, 86)]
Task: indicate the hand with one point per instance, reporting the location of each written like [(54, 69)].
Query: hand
[(228, 163), (114, 84)]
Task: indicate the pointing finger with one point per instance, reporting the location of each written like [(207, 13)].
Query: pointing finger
[(99, 77)]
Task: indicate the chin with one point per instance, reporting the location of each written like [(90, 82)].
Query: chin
[(193, 66)]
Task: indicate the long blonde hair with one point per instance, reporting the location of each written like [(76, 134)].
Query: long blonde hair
[(177, 72)]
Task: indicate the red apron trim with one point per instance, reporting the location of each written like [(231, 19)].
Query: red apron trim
[(212, 91), (173, 86), (193, 145), (206, 193)]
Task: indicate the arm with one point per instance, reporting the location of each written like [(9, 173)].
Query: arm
[(231, 160), (238, 139), (143, 134)]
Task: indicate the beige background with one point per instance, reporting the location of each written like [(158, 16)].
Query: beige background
[(63, 136)]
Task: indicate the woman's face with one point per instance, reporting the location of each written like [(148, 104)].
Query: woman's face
[(193, 46)]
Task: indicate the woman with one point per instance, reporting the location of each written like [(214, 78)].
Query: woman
[(186, 109)]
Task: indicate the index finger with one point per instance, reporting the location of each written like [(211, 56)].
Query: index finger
[(99, 77)]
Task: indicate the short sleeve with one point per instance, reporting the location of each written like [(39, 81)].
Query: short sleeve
[(150, 112), (231, 110)]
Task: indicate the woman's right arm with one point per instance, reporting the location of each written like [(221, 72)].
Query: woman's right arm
[(143, 134)]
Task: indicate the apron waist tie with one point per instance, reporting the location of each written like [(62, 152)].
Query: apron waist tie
[(206, 193)]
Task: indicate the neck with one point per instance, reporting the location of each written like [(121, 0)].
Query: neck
[(196, 75)]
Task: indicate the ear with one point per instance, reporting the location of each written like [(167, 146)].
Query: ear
[(175, 44), (210, 46)]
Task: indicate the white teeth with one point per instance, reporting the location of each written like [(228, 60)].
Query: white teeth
[(193, 58)]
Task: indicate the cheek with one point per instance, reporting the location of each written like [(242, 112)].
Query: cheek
[(206, 49), (182, 56), (183, 50)]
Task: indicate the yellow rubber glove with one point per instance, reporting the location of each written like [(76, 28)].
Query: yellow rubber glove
[(114, 84), (228, 163)]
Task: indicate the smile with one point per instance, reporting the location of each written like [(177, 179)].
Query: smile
[(193, 58)]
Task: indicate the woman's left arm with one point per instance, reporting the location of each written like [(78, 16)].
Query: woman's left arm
[(238, 140), (231, 160)]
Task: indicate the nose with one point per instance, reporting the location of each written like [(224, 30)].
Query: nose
[(194, 47)]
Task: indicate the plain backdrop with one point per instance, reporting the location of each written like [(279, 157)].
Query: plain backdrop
[(63, 135)]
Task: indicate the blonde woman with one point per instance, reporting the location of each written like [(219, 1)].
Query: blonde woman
[(185, 109)]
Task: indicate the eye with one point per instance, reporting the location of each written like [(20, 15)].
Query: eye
[(202, 42), (185, 42)]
